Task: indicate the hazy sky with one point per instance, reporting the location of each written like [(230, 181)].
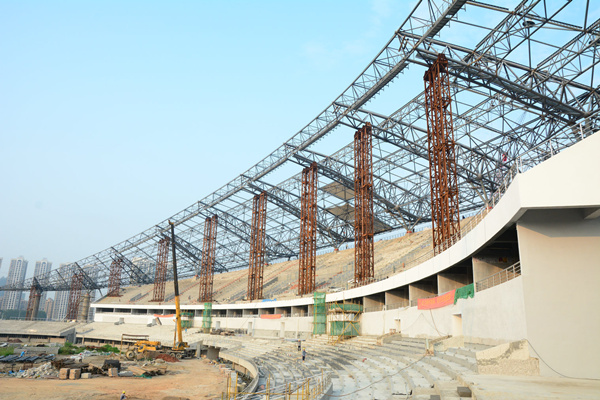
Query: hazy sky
[(115, 115)]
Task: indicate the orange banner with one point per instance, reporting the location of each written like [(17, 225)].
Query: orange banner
[(436, 302), (277, 316)]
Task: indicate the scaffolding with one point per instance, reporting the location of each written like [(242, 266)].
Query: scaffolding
[(319, 314), (364, 264), (308, 231), (208, 259), (257, 247), (160, 277), (207, 317), (344, 321), (114, 280), (445, 215), (33, 304), (74, 296), (187, 319)]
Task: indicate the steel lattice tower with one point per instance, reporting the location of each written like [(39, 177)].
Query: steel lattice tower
[(114, 280), (445, 214), (208, 259), (75, 295), (308, 231), (34, 301), (161, 270), (257, 246), (363, 206)]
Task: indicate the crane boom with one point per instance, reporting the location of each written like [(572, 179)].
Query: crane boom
[(179, 341)]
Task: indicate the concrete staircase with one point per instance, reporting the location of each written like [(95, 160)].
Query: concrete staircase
[(360, 368)]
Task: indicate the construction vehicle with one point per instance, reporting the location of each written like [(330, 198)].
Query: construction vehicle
[(141, 347), (180, 348)]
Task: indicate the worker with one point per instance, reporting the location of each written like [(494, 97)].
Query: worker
[(123, 397), (299, 345), (303, 354)]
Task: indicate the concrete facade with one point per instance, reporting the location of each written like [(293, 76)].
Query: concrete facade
[(560, 253)]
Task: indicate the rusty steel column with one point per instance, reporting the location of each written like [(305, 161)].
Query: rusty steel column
[(114, 279), (257, 247), (208, 260), (308, 231), (445, 214), (364, 264), (160, 278), (74, 296), (33, 305)]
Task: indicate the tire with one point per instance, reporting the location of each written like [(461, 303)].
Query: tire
[(130, 355), (179, 356)]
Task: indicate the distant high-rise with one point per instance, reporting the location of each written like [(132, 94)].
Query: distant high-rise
[(49, 308), (41, 272), (61, 299), (16, 276)]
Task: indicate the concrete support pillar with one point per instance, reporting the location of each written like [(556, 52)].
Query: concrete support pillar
[(396, 298), (450, 281), (374, 302), (422, 290), (84, 310)]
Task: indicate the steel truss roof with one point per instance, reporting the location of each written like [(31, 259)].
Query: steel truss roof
[(503, 108)]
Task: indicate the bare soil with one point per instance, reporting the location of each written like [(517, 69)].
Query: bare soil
[(189, 379)]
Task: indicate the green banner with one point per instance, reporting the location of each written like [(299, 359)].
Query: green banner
[(464, 292)]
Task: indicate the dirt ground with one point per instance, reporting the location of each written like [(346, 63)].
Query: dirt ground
[(189, 379)]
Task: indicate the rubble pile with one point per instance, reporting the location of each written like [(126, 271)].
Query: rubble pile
[(43, 371)]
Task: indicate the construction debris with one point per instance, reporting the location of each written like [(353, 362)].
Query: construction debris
[(75, 373)]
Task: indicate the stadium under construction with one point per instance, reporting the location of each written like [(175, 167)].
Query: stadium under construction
[(452, 239)]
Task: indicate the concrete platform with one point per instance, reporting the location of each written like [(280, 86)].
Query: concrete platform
[(496, 387)]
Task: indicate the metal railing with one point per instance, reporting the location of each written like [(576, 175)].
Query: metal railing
[(500, 277), (312, 388)]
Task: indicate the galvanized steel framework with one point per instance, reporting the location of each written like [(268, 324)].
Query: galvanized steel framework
[(364, 261), (308, 231), (445, 214), (503, 105)]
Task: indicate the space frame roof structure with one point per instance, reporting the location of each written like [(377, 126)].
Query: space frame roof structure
[(503, 107)]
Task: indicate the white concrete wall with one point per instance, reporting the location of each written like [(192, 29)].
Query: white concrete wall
[(492, 316), (560, 263)]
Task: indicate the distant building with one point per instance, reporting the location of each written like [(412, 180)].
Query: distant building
[(16, 276), (49, 308), (41, 272)]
